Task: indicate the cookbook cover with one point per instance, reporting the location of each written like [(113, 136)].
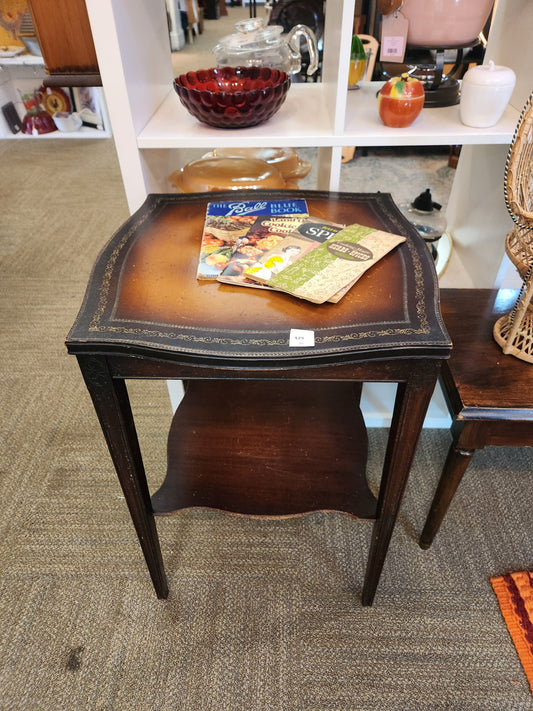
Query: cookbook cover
[(312, 232), (226, 221), (324, 271), (265, 233)]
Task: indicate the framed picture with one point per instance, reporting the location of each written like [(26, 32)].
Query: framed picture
[(87, 104)]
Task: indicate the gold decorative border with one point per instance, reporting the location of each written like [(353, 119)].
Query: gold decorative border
[(158, 201), (134, 222)]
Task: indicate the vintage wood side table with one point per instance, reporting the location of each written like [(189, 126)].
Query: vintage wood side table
[(489, 394), (264, 428)]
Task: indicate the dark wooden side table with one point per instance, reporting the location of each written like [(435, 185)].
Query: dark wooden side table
[(264, 428), (489, 394)]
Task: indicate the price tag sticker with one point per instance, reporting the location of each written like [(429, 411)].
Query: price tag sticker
[(299, 338), (393, 37)]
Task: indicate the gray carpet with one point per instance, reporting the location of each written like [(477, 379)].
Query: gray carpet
[(262, 615)]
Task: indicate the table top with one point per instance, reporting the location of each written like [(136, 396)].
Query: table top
[(143, 297), (479, 378)]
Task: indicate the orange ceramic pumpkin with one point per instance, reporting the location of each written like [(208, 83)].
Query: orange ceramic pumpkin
[(400, 101)]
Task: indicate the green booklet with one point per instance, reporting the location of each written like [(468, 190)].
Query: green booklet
[(333, 265)]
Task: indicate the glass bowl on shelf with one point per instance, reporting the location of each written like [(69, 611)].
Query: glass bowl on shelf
[(233, 97), (285, 159), (37, 121), (227, 173)]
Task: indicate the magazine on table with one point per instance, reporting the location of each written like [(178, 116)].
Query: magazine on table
[(327, 270), (308, 235), (263, 235), (227, 221)]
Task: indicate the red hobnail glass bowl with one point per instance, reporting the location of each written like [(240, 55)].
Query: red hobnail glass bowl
[(38, 121), (233, 97)]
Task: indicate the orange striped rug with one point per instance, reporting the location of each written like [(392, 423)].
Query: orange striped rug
[(515, 595)]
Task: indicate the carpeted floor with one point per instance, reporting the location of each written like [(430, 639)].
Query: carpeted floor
[(262, 615)]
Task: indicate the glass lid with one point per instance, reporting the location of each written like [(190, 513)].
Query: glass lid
[(251, 35)]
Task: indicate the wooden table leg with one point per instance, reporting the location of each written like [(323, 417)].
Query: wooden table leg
[(412, 401), (455, 466), (112, 405)]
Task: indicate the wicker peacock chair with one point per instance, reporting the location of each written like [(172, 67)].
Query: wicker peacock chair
[(514, 332)]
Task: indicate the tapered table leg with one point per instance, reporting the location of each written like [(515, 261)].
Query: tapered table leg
[(112, 405), (412, 400), (455, 466)]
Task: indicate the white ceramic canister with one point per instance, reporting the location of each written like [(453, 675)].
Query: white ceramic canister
[(485, 92)]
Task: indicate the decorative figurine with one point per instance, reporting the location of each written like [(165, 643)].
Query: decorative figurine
[(400, 100)]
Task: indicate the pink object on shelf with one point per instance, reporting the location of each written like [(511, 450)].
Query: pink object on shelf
[(445, 23)]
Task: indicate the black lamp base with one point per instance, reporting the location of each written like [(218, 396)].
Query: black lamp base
[(447, 93)]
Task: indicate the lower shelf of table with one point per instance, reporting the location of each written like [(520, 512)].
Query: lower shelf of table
[(268, 448)]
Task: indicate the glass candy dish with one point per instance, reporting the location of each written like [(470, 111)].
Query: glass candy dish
[(233, 97)]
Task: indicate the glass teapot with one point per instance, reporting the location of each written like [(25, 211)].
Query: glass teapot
[(257, 45)]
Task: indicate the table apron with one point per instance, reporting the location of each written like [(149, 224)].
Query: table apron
[(375, 370)]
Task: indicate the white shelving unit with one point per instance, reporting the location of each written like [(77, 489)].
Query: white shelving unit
[(151, 128), (24, 73), (173, 127), (22, 60), (132, 43)]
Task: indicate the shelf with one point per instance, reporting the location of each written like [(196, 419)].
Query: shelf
[(173, 127), (434, 126), (84, 132), (22, 60), (23, 74), (276, 448)]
